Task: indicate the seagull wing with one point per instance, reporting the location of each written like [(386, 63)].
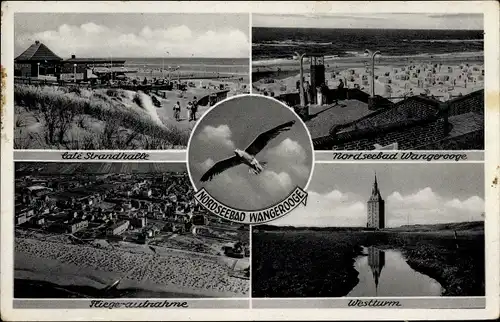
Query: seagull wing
[(261, 141), (220, 167)]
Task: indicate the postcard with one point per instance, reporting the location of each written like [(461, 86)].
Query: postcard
[(240, 160)]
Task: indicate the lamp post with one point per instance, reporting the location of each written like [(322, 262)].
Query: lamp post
[(301, 89), (111, 68), (38, 69), (373, 54), (163, 64), (74, 72)]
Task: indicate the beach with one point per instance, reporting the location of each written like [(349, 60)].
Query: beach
[(441, 75), (133, 109), (163, 270), (226, 69)]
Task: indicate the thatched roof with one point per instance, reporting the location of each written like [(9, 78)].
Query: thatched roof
[(37, 52)]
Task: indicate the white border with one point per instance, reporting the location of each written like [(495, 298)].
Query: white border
[(490, 9)]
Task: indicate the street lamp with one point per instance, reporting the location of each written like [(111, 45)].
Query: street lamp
[(74, 72), (163, 63), (301, 89), (373, 54)]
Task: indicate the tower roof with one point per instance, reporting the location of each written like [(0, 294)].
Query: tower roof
[(38, 52), (375, 191)]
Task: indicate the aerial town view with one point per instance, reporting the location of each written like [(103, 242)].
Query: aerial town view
[(381, 230), (373, 86), (121, 230), (122, 81)]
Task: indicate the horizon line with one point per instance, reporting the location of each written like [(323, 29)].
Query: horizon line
[(347, 227), (159, 57), (360, 28)]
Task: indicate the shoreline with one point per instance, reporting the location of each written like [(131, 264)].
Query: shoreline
[(164, 271), (380, 58)]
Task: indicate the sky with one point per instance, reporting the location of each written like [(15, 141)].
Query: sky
[(413, 193), (372, 21), (235, 124), (135, 34)]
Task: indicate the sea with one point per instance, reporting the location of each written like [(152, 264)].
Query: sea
[(222, 66), (272, 43)]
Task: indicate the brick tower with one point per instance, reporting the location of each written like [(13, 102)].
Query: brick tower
[(376, 208)]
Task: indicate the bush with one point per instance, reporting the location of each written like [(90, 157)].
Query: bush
[(58, 109), (75, 89)]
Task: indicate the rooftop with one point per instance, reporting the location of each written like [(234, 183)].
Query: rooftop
[(119, 224), (324, 118), (33, 188), (94, 60), (38, 52), (465, 123)]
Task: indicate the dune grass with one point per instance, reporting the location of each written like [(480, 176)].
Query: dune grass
[(126, 125)]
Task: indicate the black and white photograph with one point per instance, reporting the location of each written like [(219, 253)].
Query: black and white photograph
[(121, 230), (111, 81), (250, 152), (250, 160), (392, 81), (378, 230)]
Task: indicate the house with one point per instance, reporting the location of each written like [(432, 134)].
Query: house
[(118, 228), (36, 61)]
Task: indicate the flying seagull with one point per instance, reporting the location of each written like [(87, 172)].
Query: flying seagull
[(248, 156)]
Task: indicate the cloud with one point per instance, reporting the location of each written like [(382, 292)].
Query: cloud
[(205, 165), (289, 149), (274, 184), (334, 208), (217, 135), (229, 186), (427, 207), (338, 209), (292, 154), (93, 40), (238, 187)]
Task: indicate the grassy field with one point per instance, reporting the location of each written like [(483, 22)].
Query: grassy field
[(292, 262), (50, 117)]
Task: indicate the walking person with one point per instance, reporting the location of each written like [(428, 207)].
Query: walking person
[(177, 111)]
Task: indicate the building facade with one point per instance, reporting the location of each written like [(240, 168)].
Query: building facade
[(118, 229), (376, 208), (40, 62)]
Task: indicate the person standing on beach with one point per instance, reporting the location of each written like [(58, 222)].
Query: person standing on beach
[(177, 111), (324, 92), (189, 111), (195, 108), (341, 85), (307, 90)]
